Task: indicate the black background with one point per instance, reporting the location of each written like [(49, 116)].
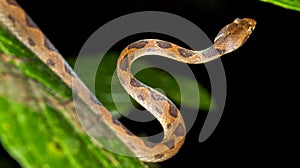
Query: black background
[(259, 123)]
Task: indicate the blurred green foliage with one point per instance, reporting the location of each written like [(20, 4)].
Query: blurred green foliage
[(288, 4)]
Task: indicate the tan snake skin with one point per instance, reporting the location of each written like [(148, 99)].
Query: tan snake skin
[(231, 37)]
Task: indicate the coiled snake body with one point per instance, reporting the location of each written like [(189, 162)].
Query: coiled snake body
[(231, 37)]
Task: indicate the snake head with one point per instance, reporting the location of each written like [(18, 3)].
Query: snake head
[(234, 35)]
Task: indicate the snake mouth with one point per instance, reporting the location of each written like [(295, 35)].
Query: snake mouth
[(251, 29), (252, 24)]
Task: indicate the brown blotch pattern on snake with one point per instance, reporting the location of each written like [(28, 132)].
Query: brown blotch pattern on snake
[(138, 44), (50, 62), (179, 131), (220, 51), (94, 99), (135, 83), (170, 144), (116, 122), (163, 44), (11, 18), (156, 96), (158, 110), (158, 156), (69, 70), (30, 23), (184, 52), (12, 2), (173, 111), (31, 42), (169, 126), (141, 97), (129, 132), (124, 63), (49, 45)]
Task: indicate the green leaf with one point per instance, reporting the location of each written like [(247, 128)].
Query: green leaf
[(38, 124), (288, 4)]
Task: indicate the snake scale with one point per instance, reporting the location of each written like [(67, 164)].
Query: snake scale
[(231, 37)]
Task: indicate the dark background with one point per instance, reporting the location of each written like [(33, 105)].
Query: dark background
[(259, 123)]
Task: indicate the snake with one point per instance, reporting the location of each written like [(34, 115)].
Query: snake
[(231, 37)]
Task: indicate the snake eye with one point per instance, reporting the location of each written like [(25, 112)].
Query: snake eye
[(237, 20)]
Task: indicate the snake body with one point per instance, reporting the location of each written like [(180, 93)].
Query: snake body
[(231, 37)]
